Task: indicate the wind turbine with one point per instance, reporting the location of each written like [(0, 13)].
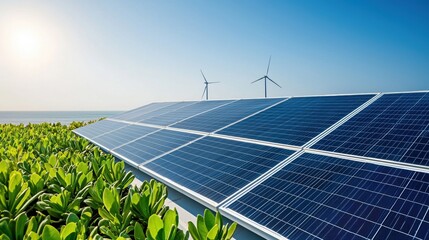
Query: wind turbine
[(206, 88), (265, 77)]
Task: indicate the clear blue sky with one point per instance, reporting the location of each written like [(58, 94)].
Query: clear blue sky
[(117, 55)]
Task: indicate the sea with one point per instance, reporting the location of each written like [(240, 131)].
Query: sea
[(63, 117)]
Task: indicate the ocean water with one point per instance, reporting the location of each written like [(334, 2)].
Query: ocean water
[(64, 117)]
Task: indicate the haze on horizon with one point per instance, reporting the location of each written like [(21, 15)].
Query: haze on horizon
[(117, 55)]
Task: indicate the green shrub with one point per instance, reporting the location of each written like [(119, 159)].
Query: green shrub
[(56, 185)]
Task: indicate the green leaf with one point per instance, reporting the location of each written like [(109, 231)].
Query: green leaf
[(193, 231), (69, 232), (4, 228), (212, 234), (138, 232), (209, 219), (170, 220), (32, 236), (110, 201), (32, 225), (155, 225), (231, 231), (20, 222), (15, 181), (72, 218), (218, 219), (201, 226), (50, 233)]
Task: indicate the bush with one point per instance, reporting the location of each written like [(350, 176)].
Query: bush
[(56, 185)]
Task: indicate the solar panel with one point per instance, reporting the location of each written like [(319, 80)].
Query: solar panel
[(96, 129), (142, 110), (317, 196), (122, 135), (215, 167), (222, 116), (153, 145), (172, 107), (185, 112), (394, 127), (297, 120)]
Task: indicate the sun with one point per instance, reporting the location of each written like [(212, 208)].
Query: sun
[(26, 43)]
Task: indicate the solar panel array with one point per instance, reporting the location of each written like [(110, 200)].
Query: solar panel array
[(327, 167)]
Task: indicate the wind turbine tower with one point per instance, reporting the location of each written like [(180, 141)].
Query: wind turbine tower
[(265, 77), (206, 88)]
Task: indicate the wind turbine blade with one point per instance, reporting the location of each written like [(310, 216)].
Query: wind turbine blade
[(205, 80), (204, 92), (268, 68), (258, 79), (274, 82), (212, 82)]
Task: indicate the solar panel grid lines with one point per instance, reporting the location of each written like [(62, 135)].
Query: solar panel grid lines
[(227, 114), (376, 161), (99, 128), (341, 121), (297, 120), (380, 193), (123, 135), (392, 128), (187, 130), (172, 150), (154, 145), (193, 195), (390, 210), (251, 115), (216, 168), (249, 140), (158, 112), (350, 182), (138, 123), (131, 141), (226, 209), (260, 179), (141, 110), (182, 114)]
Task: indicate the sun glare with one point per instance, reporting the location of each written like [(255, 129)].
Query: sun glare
[(26, 43)]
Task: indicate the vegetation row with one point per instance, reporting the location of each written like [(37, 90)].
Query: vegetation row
[(56, 185)]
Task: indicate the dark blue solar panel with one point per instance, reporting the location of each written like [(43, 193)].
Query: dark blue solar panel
[(142, 110), (221, 117), (169, 108), (96, 129), (324, 197), (297, 120), (216, 168), (123, 135), (154, 145), (185, 112), (395, 127)]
